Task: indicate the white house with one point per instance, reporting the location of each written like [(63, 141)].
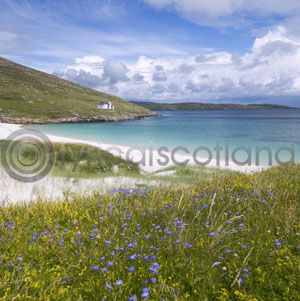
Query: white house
[(105, 105)]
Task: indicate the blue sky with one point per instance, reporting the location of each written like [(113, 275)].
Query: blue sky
[(161, 50)]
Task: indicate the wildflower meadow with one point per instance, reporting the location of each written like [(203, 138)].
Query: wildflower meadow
[(233, 238)]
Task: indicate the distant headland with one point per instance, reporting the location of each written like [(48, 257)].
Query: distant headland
[(186, 106)]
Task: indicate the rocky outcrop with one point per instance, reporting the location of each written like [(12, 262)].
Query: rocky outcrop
[(75, 119)]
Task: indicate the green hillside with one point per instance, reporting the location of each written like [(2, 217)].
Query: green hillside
[(31, 96)]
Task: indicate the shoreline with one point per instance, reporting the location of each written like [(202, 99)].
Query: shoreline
[(75, 119), (148, 160)]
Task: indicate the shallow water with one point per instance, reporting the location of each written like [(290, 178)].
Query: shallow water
[(274, 129)]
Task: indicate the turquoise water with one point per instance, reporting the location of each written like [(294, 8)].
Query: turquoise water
[(191, 129)]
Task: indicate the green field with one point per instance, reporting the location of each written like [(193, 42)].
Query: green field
[(232, 238), (31, 94)]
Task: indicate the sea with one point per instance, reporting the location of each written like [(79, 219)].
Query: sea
[(264, 137)]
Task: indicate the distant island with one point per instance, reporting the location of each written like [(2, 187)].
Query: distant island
[(186, 106), (29, 96)]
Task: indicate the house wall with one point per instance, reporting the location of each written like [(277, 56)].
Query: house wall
[(106, 106)]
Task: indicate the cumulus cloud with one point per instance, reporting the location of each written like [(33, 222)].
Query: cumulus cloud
[(270, 68), (115, 71), (137, 77), (159, 75), (81, 77), (96, 72)]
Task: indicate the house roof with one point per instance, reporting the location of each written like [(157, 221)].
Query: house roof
[(105, 102)]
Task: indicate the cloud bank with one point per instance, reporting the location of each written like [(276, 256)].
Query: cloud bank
[(270, 68)]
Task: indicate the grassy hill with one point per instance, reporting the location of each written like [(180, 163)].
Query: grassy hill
[(31, 96), (186, 106)]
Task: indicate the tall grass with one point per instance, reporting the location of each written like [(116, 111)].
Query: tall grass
[(231, 239)]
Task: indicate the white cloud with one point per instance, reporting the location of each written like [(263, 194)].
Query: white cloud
[(8, 40), (270, 68), (225, 12), (212, 8), (214, 58), (159, 3)]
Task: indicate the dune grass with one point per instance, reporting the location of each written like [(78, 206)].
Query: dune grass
[(189, 174), (232, 239), (74, 160), (84, 161)]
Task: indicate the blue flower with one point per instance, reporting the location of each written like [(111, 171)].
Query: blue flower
[(145, 293), (133, 257), (131, 269), (188, 245), (132, 245), (146, 257), (154, 268), (119, 283), (95, 268), (277, 243), (215, 264), (212, 234), (110, 263), (153, 280)]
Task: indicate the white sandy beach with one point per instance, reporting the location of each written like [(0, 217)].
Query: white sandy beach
[(55, 188)]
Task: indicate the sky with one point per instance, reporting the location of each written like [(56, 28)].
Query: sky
[(162, 50)]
